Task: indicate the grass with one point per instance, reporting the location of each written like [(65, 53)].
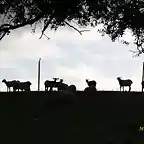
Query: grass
[(101, 117)]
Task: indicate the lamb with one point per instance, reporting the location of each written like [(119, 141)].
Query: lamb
[(50, 84), (9, 84), (142, 83), (124, 83), (91, 83)]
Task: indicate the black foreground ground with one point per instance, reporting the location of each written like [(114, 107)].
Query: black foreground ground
[(50, 117)]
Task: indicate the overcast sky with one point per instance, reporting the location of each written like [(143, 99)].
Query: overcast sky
[(70, 56)]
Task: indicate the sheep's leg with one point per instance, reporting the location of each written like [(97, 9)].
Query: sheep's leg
[(46, 88), (129, 88), (50, 88), (120, 88), (123, 88)]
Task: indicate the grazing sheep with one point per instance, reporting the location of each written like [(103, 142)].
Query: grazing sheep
[(23, 86), (142, 83), (91, 83), (124, 83), (50, 84), (90, 89), (9, 84)]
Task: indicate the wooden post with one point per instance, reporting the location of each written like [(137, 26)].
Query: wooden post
[(39, 74), (143, 73)]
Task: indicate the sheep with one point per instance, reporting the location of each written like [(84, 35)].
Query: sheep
[(62, 86), (9, 84), (50, 84), (90, 89), (124, 83), (25, 86), (142, 83), (67, 92), (72, 88), (22, 86), (91, 83)]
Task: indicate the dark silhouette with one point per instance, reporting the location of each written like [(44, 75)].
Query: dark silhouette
[(91, 83), (62, 86), (9, 84), (90, 89), (72, 88), (116, 16), (50, 84), (124, 83), (142, 83), (23, 86)]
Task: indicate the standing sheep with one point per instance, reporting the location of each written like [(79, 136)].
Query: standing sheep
[(9, 84), (142, 83), (124, 83), (50, 84), (90, 89), (91, 83), (23, 86)]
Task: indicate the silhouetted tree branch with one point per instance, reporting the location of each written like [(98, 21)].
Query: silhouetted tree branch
[(116, 16)]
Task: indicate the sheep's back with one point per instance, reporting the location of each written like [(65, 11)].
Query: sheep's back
[(125, 82)]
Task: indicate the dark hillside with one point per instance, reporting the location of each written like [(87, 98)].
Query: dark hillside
[(87, 118)]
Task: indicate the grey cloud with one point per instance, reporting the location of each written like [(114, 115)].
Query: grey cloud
[(107, 60)]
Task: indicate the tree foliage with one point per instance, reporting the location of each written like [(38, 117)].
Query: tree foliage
[(116, 16)]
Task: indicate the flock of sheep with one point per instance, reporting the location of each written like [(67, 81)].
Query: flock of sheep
[(49, 85)]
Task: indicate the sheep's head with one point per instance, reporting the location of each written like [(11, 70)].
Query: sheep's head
[(55, 79), (87, 80), (118, 78), (4, 80), (29, 82), (61, 80)]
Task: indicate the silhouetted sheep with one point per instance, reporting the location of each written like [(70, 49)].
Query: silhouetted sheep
[(50, 84), (91, 83), (62, 86), (90, 89), (72, 88), (124, 83), (23, 86), (142, 83), (9, 84)]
